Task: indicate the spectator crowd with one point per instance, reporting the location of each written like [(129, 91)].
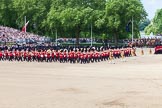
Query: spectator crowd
[(8, 34), (11, 35), (145, 42)]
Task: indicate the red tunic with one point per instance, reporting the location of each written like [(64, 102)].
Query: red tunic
[(19, 54), (57, 54), (81, 56), (96, 55), (102, 55), (65, 55), (75, 55), (10, 54), (71, 55), (0, 54), (90, 55), (53, 54), (61, 56), (25, 54), (39, 55), (42, 54), (16, 53), (87, 56), (5, 54), (48, 55), (29, 55)]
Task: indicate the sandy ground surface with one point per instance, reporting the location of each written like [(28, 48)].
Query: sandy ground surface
[(136, 83)]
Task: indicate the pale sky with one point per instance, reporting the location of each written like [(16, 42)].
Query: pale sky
[(151, 6)]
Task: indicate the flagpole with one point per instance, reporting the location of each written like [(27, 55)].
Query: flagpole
[(56, 37), (132, 29), (91, 35), (25, 23)]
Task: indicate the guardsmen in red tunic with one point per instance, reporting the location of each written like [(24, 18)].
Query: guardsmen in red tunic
[(88, 57), (52, 55), (42, 54), (65, 59), (115, 53), (106, 55), (22, 52), (118, 53), (71, 57), (96, 56), (78, 56), (49, 56), (68, 56), (34, 56), (57, 56), (10, 55), (75, 57), (81, 57), (5, 55), (23, 55), (39, 56), (61, 56), (84, 55), (102, 56), (14, 54), (26, 52), (19, 57), (91, 57), (29, 56), (45, 55), (0, 55), (125, 52)]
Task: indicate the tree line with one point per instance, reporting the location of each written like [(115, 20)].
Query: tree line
[(74, 18), (155, 26)]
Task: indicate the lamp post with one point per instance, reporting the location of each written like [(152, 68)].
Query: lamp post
[(91, 13), (25, 24), (132, 29), (56, 37), (91, 35)]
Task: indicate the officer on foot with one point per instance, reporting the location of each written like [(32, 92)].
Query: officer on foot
[(142, 52), (111, 56), (150, 51)]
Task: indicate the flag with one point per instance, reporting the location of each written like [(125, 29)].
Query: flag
[(25, 26), (128, 26)]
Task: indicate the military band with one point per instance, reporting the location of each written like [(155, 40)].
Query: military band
[(73, 55)]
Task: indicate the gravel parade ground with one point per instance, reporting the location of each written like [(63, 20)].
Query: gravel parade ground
[(136, 83)]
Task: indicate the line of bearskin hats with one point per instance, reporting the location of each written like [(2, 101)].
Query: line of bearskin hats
[(64, 48)]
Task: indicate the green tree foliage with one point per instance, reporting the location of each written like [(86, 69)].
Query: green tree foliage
[(119, 13), (7, 13), (156, 25), (34, 10), (73, 18)]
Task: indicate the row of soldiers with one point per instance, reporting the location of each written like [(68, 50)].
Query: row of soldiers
[(88, 55)]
